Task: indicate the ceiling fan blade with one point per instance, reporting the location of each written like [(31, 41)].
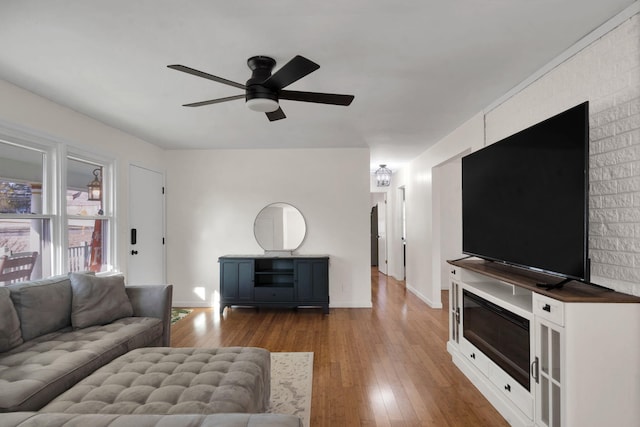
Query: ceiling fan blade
[(320, 98), (206, 75), (214, 101), (276, 115), (290, 72)]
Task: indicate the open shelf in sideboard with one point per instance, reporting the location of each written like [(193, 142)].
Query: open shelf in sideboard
[(573, 291)]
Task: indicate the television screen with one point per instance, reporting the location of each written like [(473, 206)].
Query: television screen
[(525, 198)]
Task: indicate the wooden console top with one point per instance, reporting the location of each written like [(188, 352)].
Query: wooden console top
[(572, 291)]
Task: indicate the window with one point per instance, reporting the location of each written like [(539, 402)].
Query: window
[(87, 224), (46, 211), (24, 226)]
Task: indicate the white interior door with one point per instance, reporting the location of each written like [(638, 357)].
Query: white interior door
[(146, 227), (403, 228), (382, 235)]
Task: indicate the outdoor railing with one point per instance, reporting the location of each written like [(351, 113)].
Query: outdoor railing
[(79, 257)]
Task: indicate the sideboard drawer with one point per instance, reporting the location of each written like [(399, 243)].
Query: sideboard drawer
[(548, 308), (511, 388), (475, 356), (273, 294)]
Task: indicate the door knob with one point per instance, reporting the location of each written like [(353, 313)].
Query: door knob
[(134, 252)]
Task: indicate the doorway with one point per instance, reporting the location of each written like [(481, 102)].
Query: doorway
[(379, 230), (403, 229), (374, 236), (146, 221)]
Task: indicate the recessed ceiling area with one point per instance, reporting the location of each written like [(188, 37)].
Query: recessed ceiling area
[(418, 69)]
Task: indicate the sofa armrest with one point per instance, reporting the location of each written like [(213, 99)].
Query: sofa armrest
[(153, 301)]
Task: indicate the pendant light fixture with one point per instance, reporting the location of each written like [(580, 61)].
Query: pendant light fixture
[(383, 176)]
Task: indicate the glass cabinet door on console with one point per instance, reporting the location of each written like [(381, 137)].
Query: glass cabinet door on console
[(548, 371), (454, 307), (548, 367)]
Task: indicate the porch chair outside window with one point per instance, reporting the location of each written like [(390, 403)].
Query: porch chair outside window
[(17, 267)]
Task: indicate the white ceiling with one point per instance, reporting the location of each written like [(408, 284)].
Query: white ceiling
[(417, 68)]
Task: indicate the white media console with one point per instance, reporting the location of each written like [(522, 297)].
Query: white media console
[(584, 348)]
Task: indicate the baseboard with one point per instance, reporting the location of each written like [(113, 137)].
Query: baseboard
[(351, 304), (423, 297), (191, 304), (339, 304)]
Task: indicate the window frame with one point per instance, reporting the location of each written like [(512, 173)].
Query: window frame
[(54, 186), (107, 166)]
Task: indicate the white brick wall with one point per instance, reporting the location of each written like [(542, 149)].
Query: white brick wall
[(607, 74)]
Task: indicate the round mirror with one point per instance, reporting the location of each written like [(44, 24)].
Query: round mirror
[(279, 227)]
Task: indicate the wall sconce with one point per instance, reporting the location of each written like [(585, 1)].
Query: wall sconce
[(95, 186), (383, 176)]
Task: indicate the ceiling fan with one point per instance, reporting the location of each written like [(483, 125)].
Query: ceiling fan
[(263, 89)]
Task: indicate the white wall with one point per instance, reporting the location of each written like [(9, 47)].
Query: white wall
[(203, 226), (25, 112), (424, 260), (607, 73), (447, 211), (213, 197)]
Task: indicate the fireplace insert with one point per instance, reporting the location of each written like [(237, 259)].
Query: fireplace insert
[(500, 334)]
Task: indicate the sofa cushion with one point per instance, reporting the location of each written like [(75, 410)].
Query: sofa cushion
[(10, 335), (30, 419), (98, 300), (42, 306), (167, 380), (37, 371)]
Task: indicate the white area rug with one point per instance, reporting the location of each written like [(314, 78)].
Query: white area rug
[(291, 381)]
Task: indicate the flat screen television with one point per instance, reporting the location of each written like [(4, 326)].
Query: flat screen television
[(525, 198)]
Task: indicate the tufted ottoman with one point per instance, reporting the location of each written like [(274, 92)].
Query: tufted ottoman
[(164, 380)]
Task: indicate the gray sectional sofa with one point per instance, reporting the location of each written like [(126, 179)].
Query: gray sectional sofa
[(55, 332)]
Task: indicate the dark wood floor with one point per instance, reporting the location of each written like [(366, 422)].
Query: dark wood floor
[(385, 366)]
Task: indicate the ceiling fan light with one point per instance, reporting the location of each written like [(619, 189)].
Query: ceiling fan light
[(263, 105)]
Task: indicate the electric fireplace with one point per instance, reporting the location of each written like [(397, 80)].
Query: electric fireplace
[(500, 334)]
